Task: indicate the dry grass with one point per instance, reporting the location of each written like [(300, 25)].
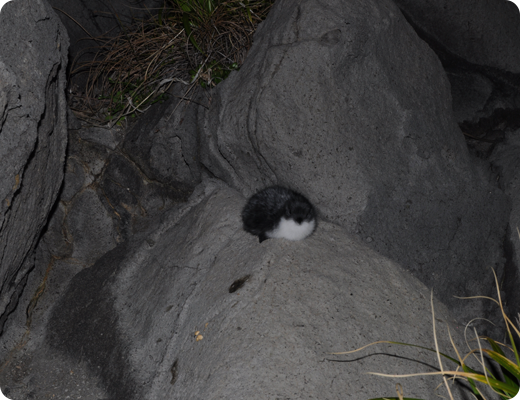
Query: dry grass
[(505, 358), (188, 41)]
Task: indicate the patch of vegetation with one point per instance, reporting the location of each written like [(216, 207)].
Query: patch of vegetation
[(499, 363), (195, 42)]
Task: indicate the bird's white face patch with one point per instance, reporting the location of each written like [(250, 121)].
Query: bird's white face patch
[(290, 229)]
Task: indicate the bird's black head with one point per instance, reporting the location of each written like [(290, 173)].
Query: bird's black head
[(299, 210)]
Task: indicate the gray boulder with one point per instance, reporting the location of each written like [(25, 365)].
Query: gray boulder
[(33, 135), (479, 45), (477, 31), (347, 105), (505, 158), (340, 101), (471, 92), (108, 188), (269, 316), (164, 142)]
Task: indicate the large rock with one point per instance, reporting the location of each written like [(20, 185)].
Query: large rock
[(33, 135), (269, 315), (349, 107), (479, 32), (110, 185), (479, 44), (87, 20), (164, 142), (346, 104), (110, 191), (505, 158), (471, 92)]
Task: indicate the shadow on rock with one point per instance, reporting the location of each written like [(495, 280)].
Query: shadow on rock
[(84, 326)]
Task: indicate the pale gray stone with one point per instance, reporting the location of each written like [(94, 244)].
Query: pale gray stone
[(271, 338), (363, 126), (33, 134)]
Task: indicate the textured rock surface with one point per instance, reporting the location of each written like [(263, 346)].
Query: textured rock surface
[(346, 104), (33, 135), (478, 43), (470, 92), (477, 31), (126, 326), (27, 372), (340, 100), (105, 192), (93, 18), (165, 144), (505, 157), (106, 198)]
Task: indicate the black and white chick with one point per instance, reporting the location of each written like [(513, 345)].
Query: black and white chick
[(278, 212)]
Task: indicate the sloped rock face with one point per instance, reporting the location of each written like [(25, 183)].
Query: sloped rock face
[(33, 135), (346, 104), (114, 187), (87, 19), (165, 141), (505, 157), (478, 43), (478, 31), (113, 180), (269, 315)]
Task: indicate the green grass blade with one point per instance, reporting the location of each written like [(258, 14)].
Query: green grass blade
[(501, 357), (395, 398), (248, 10), (210, 7), (504, 362), (517, 356), (187, 28), (184, 6), (471, 381), (499, 386), (495, 346), (160, 17)]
